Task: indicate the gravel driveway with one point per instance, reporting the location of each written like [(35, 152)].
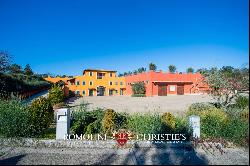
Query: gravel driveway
[(176, 104), (108, 156)]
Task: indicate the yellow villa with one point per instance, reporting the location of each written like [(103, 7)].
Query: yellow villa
[(94, 83)]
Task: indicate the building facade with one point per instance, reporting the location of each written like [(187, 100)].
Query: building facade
[(163, 84), (94, 83), (106, 83)]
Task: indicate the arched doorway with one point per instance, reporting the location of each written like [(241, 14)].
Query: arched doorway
[(100, 91)]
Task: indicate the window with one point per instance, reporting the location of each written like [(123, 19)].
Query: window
[(100, 75), (116, 83), (90, 74), (90, 83), (77, 82), (110, 83), (146, 82), (83, 83), (83, 92), (77, 92), (110, 74), (172, 88), (121, 83)]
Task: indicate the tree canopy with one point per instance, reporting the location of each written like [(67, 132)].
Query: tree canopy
[(15, 69), (152, 66), (172, 68), (226, 83), (138, 88), (5, 59), (27, 70), (190, 70)]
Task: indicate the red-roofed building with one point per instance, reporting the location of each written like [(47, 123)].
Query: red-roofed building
[(162, 84)]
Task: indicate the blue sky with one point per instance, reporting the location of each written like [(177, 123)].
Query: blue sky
[(65, 37)]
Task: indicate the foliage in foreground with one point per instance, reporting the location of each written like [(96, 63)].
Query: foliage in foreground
[(109, 121), (242, 102), (84, 121), (217, 123), (14, 119), (42, 115), (169, 121), (20, 120), (144, 123), (56, 95)]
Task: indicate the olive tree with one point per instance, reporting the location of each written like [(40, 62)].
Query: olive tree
[(138, 88), (224, 87)]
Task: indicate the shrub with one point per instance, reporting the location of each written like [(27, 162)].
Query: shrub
[(144, 123), (169, 121), (197, 108), (80, 121), (182, 127), (122, 120), (76, 128), (109, 121), (237, 130), (242, 102), (49, 133), (56, 95), (84, 121), (138, 88), (93, 128), (213, 120), (232, 124), (212, 123), (96, 126), (42, 115), (14, 119), (245, 115), (60, 105), (138, 95)]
